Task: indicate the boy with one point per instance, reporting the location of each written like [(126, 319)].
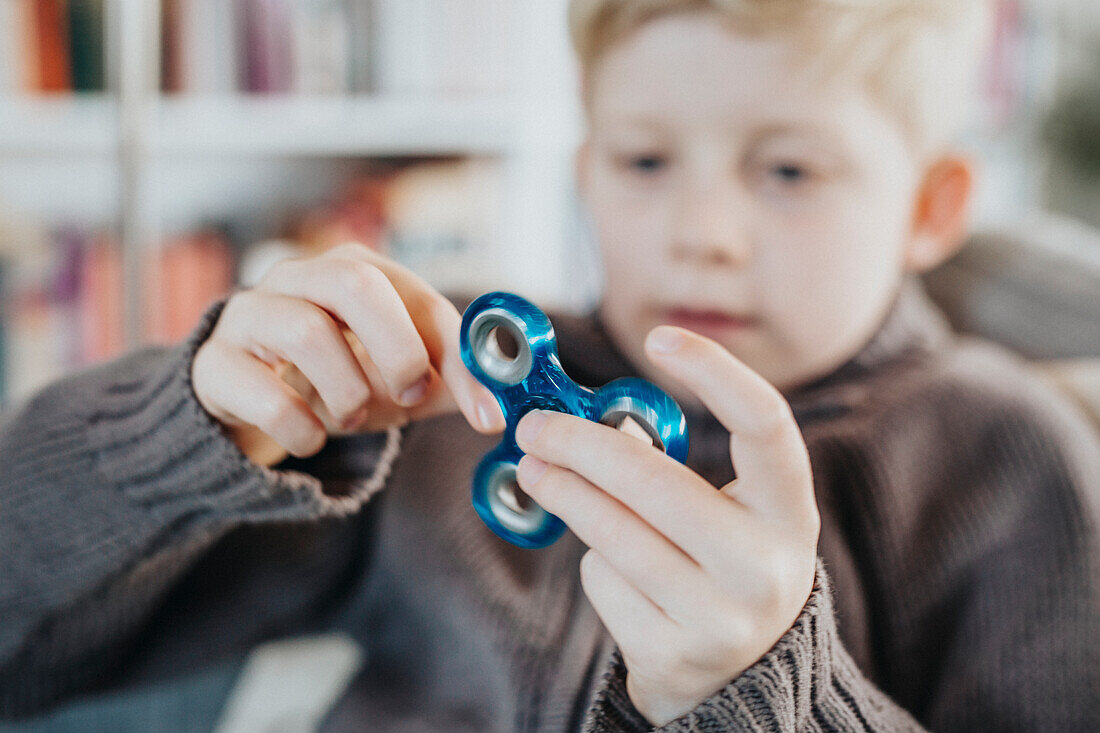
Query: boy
[(761, 173)]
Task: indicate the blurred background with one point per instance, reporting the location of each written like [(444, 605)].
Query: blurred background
[(154, 154)]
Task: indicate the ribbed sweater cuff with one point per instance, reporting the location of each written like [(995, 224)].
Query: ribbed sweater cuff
[(806, 681), (156, 445)]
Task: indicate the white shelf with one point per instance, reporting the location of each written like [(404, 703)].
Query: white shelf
[(274, 126), (336, 126), (59, 125)]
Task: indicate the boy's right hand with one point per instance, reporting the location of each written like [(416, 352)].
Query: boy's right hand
[(347, 341)]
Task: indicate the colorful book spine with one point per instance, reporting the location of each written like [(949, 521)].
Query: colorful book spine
[(101, 300), (86, 45), (266, 46), (207, 43), (321, 47), (12, 72), (192, 271), (51, 27)]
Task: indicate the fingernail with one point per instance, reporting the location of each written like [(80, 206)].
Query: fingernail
[(530, 470), (486, 413), (664, 340), (530, 426), (415, 393)]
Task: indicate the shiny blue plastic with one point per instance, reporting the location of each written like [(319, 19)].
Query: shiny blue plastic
[(533, 378)]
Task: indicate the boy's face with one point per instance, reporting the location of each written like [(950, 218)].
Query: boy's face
[(737, 195)]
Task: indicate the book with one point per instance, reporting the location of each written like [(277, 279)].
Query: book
[(358, 14), (101, 300), (51, 29), (207, 44), (404, 58), (171, 60), (321, 47), (265, 32), (12, 67), (86, 45), (192, 271)]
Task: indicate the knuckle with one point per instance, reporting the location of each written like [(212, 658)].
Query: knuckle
[(238, 306), (352, 250), (730, 638), (411, 366), (354, 278), (778, 583), (283, 270), (308, 332), (774, 417), (357, 398)]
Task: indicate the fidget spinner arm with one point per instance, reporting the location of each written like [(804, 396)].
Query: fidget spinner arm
[(509, 346)]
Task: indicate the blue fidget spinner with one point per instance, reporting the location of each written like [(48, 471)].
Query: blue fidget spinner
[(509, 346)]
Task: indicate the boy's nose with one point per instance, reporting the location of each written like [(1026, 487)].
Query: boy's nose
[(708, 230)]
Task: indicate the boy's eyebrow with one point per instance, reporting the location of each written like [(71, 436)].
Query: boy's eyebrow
[(799, 130), (641, 124)]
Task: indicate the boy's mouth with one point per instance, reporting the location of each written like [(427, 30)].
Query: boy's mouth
[(708, 322)]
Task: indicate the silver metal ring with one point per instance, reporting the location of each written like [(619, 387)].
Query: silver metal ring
[(486, 350), (506, 503), (642, 414)]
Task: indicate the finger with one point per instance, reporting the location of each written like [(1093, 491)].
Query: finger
[(401, 320), (438, 323), (649, 561), (242, 389), (765, 441), (638, 626), (306, 336), (381, 410), (669, 496), (361, 296)]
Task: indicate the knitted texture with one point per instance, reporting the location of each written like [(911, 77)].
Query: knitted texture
[(958, 588), (115, 480)]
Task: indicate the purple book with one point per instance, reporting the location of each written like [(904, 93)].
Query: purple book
[(267, 62)]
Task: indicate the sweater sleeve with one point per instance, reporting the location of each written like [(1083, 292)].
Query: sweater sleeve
[(114, 482), (806, 682)]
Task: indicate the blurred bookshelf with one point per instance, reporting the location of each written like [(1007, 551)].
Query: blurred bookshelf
[(155, 154)]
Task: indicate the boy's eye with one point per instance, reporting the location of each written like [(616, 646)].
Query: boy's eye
[(790, 173), (644, 163)]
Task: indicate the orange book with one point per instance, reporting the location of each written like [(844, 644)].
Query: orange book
[(51, 26), (101, 311), (191, 273)]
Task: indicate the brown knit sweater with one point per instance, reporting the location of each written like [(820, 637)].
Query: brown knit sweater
[(141, 557)]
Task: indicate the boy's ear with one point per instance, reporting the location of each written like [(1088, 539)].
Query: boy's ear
[(942, 209)]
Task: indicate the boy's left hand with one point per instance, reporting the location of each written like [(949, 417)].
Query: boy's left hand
[(694, 584)]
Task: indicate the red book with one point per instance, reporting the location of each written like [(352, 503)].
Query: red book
[(51, 26)]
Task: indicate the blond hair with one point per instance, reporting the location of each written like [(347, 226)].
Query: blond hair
[(920, 58)]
